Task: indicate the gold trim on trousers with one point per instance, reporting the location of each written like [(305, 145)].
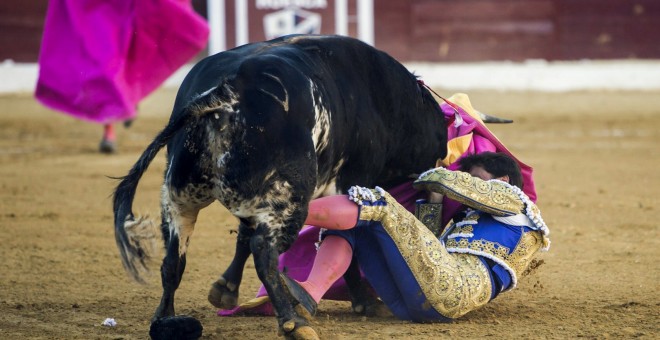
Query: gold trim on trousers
[(453, 284)]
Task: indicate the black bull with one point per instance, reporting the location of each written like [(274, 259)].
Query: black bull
[(266, 127)]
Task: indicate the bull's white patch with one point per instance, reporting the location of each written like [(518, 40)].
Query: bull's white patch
[(180, 211), (321, 130), (224, 102), (329, 187), (260, 209), (168, 175), (269, 175), (222, 160)]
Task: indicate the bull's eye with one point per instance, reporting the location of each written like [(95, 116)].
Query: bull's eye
[(216, 115)]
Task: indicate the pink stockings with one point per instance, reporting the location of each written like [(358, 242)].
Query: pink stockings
[(332, 212), (331, 261), (334, 255), (109, 132)]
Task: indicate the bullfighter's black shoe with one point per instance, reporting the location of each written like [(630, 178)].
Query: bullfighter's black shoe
[(107, 146)]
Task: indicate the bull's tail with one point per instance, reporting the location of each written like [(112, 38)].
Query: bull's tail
[(135, 237)]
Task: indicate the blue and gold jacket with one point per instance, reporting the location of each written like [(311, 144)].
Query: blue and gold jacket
[(503, 226)]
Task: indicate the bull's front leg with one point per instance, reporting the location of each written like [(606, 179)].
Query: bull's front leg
[(224, 291), (293, 306)]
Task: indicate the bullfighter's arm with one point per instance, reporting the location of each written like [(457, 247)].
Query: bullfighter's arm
[(494, 197)]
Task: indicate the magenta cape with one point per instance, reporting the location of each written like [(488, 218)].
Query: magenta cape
[(99, 58), (298, 260)]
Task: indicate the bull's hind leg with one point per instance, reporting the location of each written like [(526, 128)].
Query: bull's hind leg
[(293, 306), (224, 291), (363, 299), (178, 222)]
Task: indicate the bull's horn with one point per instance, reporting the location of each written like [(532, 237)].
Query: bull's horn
[(492, 119)]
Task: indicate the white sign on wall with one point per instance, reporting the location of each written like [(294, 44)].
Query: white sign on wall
[(277, 4), (291, 20), (282, 17)]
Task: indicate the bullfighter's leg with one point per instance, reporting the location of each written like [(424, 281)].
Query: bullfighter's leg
[(224, 291), (178, 225), (293, 306), (338, 212)]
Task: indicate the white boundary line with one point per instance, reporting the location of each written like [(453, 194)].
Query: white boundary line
[(540, 75), (502, 76)]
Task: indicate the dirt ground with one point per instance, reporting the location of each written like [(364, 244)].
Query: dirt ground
[(596, 159)]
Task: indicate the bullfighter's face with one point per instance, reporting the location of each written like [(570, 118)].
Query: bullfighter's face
[(480, 172)]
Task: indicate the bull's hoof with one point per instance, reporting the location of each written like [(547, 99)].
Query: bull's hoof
[(371, 307), (182, 327), (365, 302), (223, 294), (303, 312), (301, 297), (297, 332), (377, 308)]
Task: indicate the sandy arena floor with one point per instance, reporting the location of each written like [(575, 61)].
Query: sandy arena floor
[(596, 158)]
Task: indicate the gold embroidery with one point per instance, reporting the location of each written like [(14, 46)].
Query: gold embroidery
[(465, 229), (528, 245), (430, 214), (517, 261), (453, 284), (472, 217), (493, 197)]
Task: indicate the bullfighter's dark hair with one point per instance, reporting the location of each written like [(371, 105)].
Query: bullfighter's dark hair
[(497, 164)]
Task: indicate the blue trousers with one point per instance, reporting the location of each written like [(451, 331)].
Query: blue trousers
[(387, 272)]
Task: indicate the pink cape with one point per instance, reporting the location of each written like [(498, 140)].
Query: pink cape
[(99, 58), (298, 260), (482, 141)]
